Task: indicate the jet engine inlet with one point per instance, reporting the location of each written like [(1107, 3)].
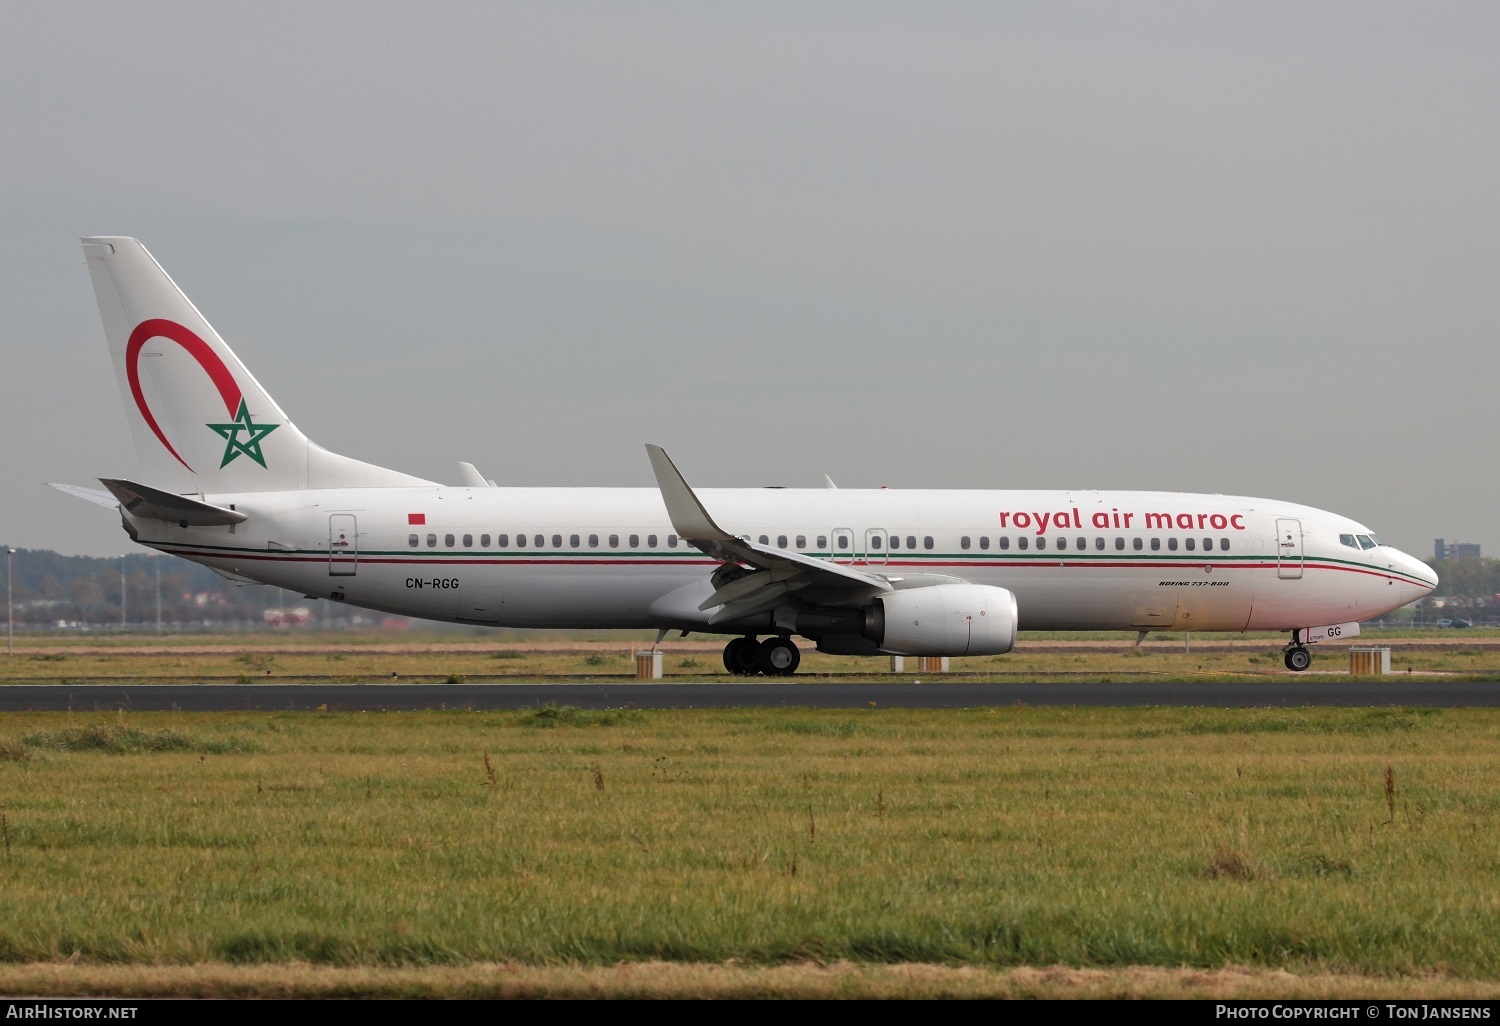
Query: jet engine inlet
[(949, 619)]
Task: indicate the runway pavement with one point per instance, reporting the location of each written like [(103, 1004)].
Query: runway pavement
[(939, 695)]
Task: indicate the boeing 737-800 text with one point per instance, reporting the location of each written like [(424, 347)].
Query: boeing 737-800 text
[(227, 480)]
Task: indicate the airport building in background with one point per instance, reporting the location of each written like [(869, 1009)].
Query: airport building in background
[(1457, 550)]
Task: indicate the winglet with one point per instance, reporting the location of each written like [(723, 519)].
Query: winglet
[(472, 478), (689, 518)]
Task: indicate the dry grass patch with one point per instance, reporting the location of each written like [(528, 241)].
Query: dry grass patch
[(696, 980), (1230, 864), (426, 656)]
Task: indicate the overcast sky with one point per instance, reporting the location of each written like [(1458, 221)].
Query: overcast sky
[(1202, 247)]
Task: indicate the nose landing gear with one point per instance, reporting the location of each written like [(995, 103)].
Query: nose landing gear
[(1297, 658), (774, 657)]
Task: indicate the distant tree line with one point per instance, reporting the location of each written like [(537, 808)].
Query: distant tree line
[(1469, 585), (50, 590)]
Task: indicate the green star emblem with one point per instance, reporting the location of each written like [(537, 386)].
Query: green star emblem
[(251, 445)]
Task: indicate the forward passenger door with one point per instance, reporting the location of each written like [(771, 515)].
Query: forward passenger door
[(1289, 550)]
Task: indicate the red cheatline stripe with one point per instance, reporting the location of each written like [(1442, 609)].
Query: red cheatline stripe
[(646, 561)]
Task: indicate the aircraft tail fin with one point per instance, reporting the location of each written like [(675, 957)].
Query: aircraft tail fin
[(200, 421)]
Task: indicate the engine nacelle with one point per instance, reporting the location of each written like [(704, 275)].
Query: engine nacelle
[(945, 620)]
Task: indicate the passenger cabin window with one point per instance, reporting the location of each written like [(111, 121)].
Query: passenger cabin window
[(484, 541), (432, 541), (1172, 544), (895, 541), (842, 541), (538, 542), (1155, 544), (1081, 543), (781, 541), (411, 540), (927, 542), (1119, 544), (911, 541), (468, 541), (672, 541), (984, 541), (1224, 544), (822, 541), (651, 541), (502, 540), (1005, 541), (593, 541), (1021, 543), (801, 541), (557, 541), (635, 541), (1099, 543), (1062, 543), (1188, 544), (1136, 544), (448, 540), (764, 540), (1208, 544), (963, 542), (574, 541), (614, 541), (1041, 543)]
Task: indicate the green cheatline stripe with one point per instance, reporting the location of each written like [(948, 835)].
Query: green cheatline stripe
[(1047, 555)]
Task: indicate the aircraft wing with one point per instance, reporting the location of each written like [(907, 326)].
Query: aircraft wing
[(777, 573)]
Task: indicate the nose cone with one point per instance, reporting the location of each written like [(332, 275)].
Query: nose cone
[(1415, 577)]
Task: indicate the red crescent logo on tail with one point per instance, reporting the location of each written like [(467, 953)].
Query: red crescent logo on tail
[(218, 373)]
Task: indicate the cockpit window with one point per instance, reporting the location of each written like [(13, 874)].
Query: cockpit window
[(1367, 541), (1348, 539)]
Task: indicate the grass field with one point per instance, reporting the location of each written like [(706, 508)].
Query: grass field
[(1348, 845)]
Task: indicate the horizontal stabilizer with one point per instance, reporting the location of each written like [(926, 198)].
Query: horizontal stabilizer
[(94, 495), (154, 504)]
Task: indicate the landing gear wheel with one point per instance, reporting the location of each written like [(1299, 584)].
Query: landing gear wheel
[(742, 657), (779, 657), (1297, 659)]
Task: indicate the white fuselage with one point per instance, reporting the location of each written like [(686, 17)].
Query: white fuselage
[(609, 558)]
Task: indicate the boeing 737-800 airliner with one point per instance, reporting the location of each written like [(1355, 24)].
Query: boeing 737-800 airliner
[(227, 480)]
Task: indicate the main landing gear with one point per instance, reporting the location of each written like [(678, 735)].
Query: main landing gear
[(775, 657), (1296, 656)]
